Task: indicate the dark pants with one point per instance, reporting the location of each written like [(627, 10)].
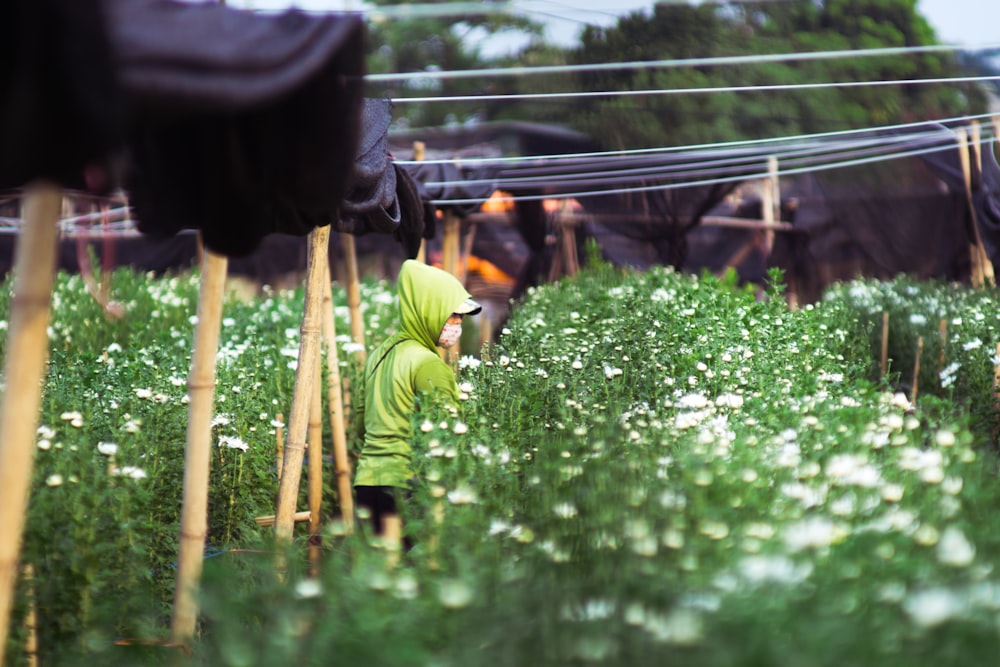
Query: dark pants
[(381, 501)]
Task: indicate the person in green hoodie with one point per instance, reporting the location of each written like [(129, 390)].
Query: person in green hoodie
[(404, 367)]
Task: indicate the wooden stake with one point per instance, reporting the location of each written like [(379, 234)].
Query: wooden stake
[(392, 537), (291, 474), (335, 405), (943, 337), (770, 203), (279, 435), (268, 519), (981, 267), (197, 455), (916, 369), (315, 445), (354, 295), (419, 152), (884, 363), (996, 395), (31, 618), (450, 243), (24, 369)]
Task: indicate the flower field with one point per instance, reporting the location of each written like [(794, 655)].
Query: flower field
[(649, 468)]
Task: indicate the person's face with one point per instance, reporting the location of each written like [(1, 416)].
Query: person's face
[(454, 319)]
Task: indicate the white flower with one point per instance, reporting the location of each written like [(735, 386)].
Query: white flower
[(460, 428), (144, 392), (454, 593), (692, 402), (463, 495), (565, 510), (308, 588), (944, 438), (468, 361), (44, 444), (933, 606), (129, 471), (107, 448), (973, 344), (54, 480), (232, 442), (955, 549)]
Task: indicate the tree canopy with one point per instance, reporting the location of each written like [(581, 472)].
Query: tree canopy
[(681, 31)]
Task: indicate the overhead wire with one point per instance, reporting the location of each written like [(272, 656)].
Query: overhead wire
[(765, 143), (673, 63), (578, 94), (583, 194), (710, 164)]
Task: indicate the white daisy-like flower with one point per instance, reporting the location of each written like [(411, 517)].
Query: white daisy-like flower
[(233, 442), (954, 548), (107, 448), (54, 480)]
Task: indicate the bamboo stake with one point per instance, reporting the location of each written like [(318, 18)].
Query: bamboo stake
[(31, 618), (392, 537), (450, 243), (943, 336), (279, 435), (268, 519), (288, 487), (197, 455), (916, 369), (467, 242), (996, 395), (354, 294), (770, 203), (335, 404), (419, 152), (884, 359), (315, 447), (24, 369), (981, 268)]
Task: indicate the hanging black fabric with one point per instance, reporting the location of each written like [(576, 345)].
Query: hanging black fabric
[(236, 124)]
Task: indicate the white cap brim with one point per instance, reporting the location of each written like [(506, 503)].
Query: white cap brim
[(468, 307)]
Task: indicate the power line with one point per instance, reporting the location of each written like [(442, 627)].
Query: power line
[(664, 64), (767, 141), (705, 182), (691, 91)]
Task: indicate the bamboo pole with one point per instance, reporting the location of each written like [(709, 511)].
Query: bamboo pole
[(279, 436), (770, 203), (335, 405), (268, 519), (24, 369), (31, 618), (981, 268), (354, 294), (315, 447), (450, 243), (916, 369), (996, 395), (943, 337), (197, 455), (419, 153), (291, 474), (884, 358), (392, 537)]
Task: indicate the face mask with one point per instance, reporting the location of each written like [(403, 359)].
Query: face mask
[(450, 335)]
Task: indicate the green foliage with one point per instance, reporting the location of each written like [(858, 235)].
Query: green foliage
[(646, 468)]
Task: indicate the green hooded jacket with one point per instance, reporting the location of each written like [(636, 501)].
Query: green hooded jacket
[(405, 365)]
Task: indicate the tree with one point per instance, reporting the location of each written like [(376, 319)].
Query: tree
[(431, 44), (683, 32)]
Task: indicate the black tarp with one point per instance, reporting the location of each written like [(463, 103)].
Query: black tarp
[(236, 124)]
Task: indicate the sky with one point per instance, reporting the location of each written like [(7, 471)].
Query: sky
[(969, 23)]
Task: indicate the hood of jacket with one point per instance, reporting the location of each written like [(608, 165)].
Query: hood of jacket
[(427, 298)]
